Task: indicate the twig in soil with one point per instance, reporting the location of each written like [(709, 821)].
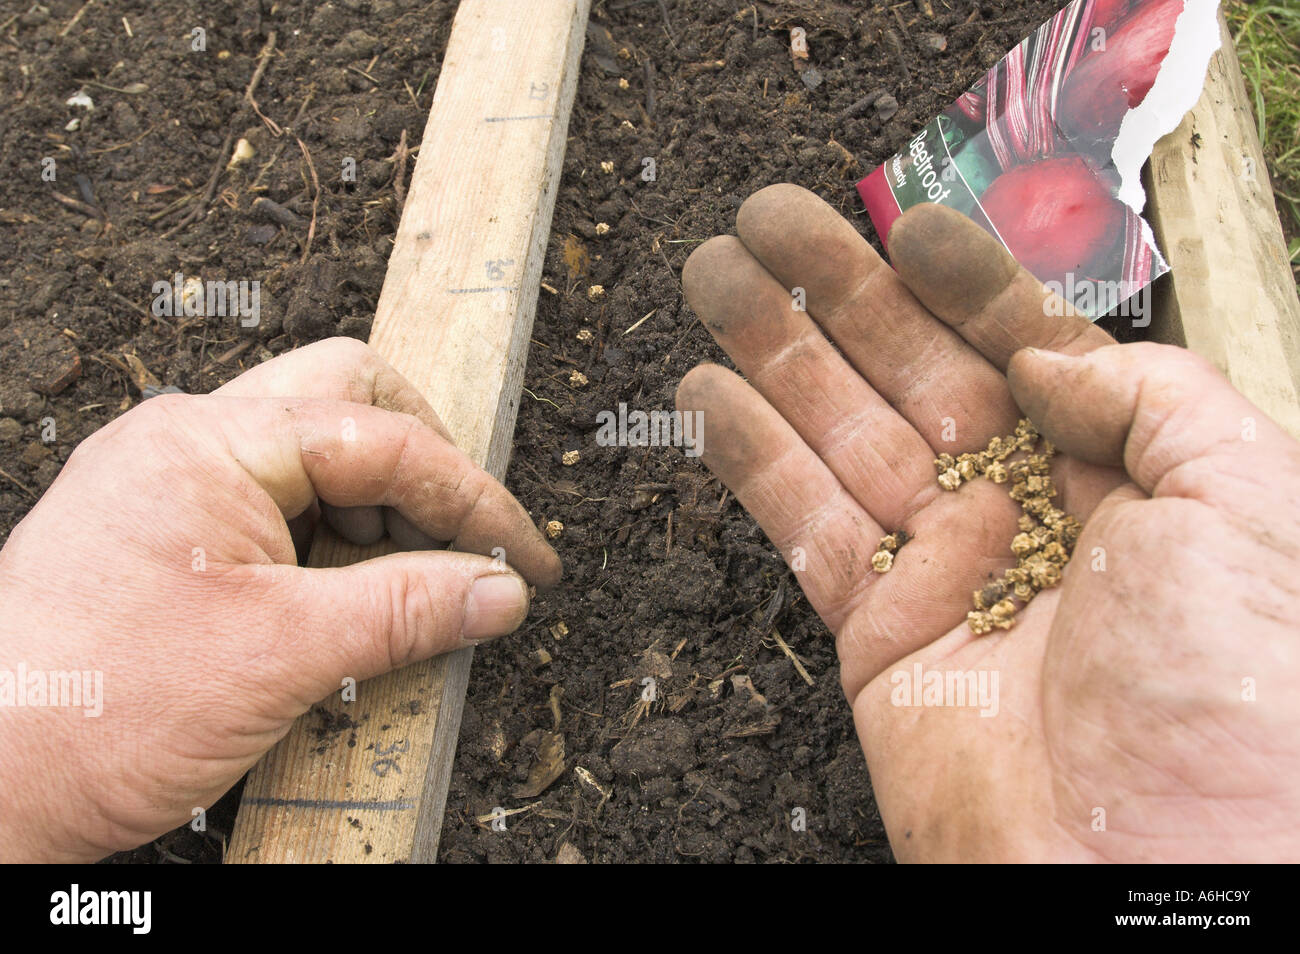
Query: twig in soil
[(278, 213), (794, 660), (485, 821), (360, 72), (315, 201), (133, 89), (668, 24), (76, 18), (897, 44), (136, 306), (170, 208), (76, 205), (122, 145), (87, 191), (862, 105), (228, 355), (280, 148), (399, 156), (649, 69), (641, 321), (542, 400), (210, 190), (651, 218), (263, 58), (689, 329), (17, 483), (774, 608)]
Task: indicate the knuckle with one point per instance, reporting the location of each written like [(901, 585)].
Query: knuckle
[(352, 350), (411, 616)]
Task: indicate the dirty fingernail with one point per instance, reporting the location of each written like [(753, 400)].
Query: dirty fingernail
[(496, 605)]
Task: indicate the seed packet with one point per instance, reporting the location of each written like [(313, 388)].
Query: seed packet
[(1045, 151)]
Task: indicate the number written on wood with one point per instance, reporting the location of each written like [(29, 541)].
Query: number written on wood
[(382, 766)]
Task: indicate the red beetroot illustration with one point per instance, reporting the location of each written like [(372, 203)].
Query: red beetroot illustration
[(1056, 216), (1107, 12), (1109, 82)]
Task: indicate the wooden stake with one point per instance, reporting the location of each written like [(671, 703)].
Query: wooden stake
[(1232, 295), (455, 317)]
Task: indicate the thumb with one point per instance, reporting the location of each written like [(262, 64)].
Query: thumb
[(371, 617), (1150, 408)]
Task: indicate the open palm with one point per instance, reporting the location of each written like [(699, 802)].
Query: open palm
[(1142, 709)]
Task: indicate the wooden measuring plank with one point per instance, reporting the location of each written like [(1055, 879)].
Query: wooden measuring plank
[(1232, 295), (367, 781)]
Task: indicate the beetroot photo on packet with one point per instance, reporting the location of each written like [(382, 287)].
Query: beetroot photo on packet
[(1027, 151)]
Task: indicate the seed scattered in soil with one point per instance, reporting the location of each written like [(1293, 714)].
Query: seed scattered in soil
[(595, 293), (623, 83), (577, 379), (554, 528), (569, 458), (1047, 534), (602, 228), (607, 167), (883, 559), (243, 152), (585, 334)]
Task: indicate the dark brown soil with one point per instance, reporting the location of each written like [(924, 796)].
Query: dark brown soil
[(666, 576)]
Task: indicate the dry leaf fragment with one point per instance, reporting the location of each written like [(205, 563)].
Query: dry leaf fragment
[(141, 376), (576, 258), (548, 765)]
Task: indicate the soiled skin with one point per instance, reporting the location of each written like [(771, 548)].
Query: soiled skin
[(207, 657), (1129, 699), (1146, 706)]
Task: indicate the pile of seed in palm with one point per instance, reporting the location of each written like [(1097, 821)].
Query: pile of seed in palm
[(1047, 534)]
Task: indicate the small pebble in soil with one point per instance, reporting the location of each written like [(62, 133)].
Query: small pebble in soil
[(1047, 534), (934, 42)]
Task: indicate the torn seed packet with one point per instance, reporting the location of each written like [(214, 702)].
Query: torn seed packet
[(1046, 150)]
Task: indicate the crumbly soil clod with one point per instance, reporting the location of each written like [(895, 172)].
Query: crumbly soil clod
[(1047, 534)]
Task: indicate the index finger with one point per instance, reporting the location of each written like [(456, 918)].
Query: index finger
[(336, 369), (970, 282), (352, 455)]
